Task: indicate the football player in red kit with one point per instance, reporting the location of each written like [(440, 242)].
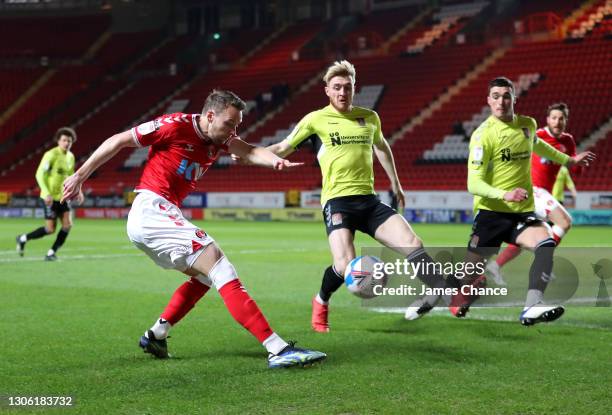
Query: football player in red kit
[(182, 148), (543, 174)]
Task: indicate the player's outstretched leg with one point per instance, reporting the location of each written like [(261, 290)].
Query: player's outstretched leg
[(59, 241), (183, 300), (539, 277), (23, 238), (246, 312), (332, 280), (425, 304)]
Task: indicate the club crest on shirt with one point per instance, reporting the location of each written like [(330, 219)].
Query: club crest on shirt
[(361, 121), (526, 132), (200, 233), (189, 147)]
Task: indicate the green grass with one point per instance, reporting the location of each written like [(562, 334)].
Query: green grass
[(71, 328)]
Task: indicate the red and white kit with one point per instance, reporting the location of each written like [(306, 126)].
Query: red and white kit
[(179, 155), (544, 172)]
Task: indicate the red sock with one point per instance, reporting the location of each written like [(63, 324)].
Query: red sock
[(508, 254), (557, 238), (244, 310), (183, 300)]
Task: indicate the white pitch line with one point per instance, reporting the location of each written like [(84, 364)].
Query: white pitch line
[(105, 256)]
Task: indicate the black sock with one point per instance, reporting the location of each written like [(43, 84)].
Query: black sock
[(541, 268), (432, 279), (331, 282), (37, 233), (59, 241)]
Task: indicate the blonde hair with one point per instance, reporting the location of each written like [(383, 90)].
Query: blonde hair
[(340, 68)]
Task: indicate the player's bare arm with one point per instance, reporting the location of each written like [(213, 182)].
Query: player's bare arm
[(106, 151), (259, 156), (385, 157), (282, 149)]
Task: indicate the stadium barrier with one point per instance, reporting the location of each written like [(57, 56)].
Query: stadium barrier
[(264, 215)]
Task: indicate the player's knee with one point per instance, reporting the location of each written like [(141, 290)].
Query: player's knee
[(67, 228), (203, 279), (222, 272), (565, 223), (50, 229)]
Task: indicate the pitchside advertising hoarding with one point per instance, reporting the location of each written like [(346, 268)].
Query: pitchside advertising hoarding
[(590, 208)]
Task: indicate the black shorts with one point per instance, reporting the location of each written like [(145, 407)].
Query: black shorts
[(56, 210), (490, 229), (363, 212)]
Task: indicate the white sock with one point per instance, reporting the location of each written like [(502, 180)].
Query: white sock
[(161, 328), (319, 300), (274, 344), (557, 230), (23, 238), (533, 297), (50, 252)]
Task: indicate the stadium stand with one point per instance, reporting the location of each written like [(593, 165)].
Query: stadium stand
[(127, 78)]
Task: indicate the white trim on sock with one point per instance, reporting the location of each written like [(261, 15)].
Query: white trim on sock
[(274, 344), (161, 328), (558, 231), (319, 300), (533, 297)]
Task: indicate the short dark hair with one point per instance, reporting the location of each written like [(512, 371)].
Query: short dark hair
[(561, 106), (501, 81), (65, 131), (218, 100)]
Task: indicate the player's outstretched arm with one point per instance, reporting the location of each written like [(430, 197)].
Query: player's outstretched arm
[(259, 156), (106, 151), (385, 157), (282, 149)]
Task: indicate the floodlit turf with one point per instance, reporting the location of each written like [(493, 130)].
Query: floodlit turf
[(72, 328)]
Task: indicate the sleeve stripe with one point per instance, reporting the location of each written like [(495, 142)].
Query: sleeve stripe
[(135, 137)]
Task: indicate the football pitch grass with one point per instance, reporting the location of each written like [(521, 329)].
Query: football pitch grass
[(71, 328)]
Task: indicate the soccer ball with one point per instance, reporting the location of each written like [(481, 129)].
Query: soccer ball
[(359, 276)]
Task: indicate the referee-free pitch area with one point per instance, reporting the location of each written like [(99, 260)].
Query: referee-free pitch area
[(71, 327)]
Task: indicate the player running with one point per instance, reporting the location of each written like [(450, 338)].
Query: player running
[(544, 174), (55, 166), (348, 134), (499, 177), (182, 148)]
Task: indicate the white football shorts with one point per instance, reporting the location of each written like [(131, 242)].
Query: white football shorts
[(159, 229), (544, 203)]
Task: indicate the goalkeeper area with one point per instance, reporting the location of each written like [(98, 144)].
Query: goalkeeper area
[(71, 328)]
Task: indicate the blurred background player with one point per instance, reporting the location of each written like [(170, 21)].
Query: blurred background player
[(544, 175), (55, 166), (183, 147), (564, 182), (499, 177), (349, 135)]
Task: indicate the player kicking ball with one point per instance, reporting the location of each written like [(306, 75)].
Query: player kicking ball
[(499, 177), (350, 136), (544, 175), (182, 148)]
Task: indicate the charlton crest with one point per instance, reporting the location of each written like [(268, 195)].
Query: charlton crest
[(200, 233)]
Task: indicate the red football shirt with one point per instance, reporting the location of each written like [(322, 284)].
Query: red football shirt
[(544, 172), (179, 155)]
